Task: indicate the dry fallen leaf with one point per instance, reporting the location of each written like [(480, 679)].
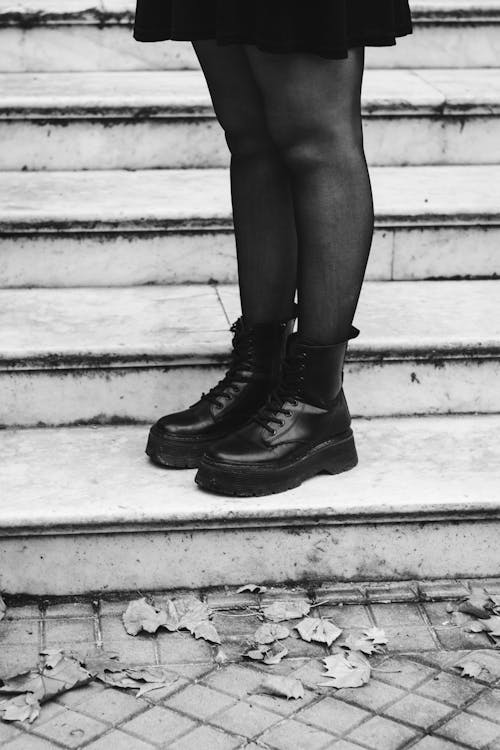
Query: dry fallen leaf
[(59, 674), (24, 707), (477, 604), (492, 626), (268, 654), (204, 629), (277, 651), (353, 643), (319, 630), (346, 671), (220, 657), (181, 614), (469, 668), (377, 635), (287, 610), (476, 626), (140, 615), (282, 687), (270, 632), (253, 588)]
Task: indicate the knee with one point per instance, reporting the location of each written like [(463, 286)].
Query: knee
[(324, 142), (247, 142)]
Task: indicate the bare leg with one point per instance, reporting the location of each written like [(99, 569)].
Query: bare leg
[(264, 223), (313, 112)]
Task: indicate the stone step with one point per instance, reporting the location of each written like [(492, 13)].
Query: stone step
[(90, 35), (174, 226), (145, 119), (78, 356), (422, 503)]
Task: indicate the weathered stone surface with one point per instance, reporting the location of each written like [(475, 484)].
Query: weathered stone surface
[(157, 119), (95, 488), (148, 200), (81, 35), (132, 354)]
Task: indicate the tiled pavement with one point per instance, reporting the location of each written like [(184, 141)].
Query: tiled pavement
[(415, 697)]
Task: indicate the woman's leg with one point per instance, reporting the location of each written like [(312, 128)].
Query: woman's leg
[(266, 239), (313, 112)]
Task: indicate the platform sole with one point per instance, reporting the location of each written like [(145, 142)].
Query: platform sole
[(333, 457), (173, 453)]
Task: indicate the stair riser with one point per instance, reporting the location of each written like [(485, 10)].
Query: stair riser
[(109, 143), (212, 557), (87, 47), (128, 259), (143, 394)]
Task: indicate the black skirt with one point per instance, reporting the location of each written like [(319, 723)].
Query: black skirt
[(324, 27)]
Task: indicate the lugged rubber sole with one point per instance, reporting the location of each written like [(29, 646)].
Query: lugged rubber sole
[(175, 454), (333, 457)]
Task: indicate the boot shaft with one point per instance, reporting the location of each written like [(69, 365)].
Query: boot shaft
[(321, 368)]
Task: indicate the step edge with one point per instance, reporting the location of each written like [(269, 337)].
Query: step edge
[(463, 512), (381, 351)]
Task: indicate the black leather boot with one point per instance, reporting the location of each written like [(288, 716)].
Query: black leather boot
[(303, 429), (180, 439)]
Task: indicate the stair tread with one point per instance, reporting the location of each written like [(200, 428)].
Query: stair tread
[(145, 200), (122, 11), (48, 329), (98, 478), (184, 93)]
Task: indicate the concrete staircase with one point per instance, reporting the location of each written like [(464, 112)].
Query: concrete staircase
[(118, 284)]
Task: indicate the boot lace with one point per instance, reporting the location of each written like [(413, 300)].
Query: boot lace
[(242, 360), (288, 390)]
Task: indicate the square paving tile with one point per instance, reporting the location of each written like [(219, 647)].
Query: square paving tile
[(19, 633), (434, 743), (455, 638), (199, 701), (402, 672), (372, 696), (235, 680), (236, 627), (293, 734), (116, 740), (182, 647), (70, 609), (206, 738), (393, 615), (134, 651), (27, 611), (473, 731), (158, 722), (69, 631), (29, 742), (378, 733), (347, 616), (16, 659), (333, 715), (402, 638), (449, 689), (76, 696), (71, 729), (280, 706), (245, 719), (112, 706), (488, 706), (419, 711), (7, 732)]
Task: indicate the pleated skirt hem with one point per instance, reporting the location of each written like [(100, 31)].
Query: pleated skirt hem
[(297, 46)]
